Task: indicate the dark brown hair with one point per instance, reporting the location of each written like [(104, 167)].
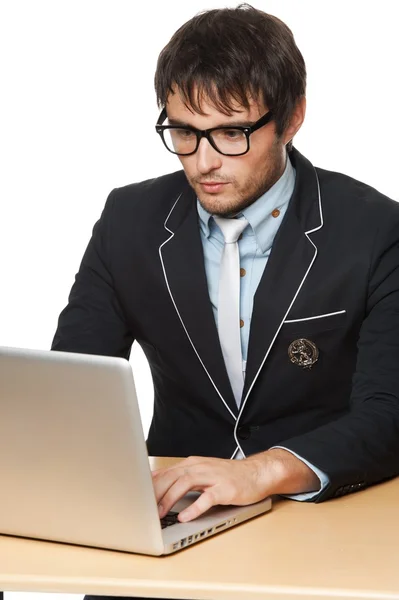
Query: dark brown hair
[(230, 54)]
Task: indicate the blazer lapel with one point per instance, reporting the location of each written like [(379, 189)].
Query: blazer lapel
[(290, 261), (181, 255)]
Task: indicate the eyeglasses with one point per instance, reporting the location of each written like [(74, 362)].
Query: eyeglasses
[(229, 141)]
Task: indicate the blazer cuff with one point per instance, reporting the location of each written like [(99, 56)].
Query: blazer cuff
[(324, 479)]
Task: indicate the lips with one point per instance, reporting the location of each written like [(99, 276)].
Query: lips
[(213, 187)]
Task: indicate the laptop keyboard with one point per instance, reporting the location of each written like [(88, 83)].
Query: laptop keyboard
[(169, 519)]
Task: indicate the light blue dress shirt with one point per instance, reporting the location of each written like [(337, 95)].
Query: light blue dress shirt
[(264, 217)]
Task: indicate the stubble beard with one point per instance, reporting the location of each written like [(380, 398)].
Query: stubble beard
[(235, 199)]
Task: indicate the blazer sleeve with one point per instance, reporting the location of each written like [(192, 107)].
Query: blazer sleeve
[(93, 321), (362, 447)]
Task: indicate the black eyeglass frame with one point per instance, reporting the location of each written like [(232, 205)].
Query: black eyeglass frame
[(206, 133)]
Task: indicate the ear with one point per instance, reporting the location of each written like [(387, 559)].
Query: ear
[(297, 118)]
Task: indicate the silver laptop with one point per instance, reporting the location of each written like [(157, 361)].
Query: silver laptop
[(73, 460)]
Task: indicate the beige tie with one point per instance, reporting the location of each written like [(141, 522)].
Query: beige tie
[(229, 303)]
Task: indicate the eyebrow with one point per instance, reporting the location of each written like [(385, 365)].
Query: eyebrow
[(180, 123)]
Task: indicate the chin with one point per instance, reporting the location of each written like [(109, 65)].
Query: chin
[(219, 207)]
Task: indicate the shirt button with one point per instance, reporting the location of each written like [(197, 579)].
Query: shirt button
[(242, 272), (241, 323), (275, 213)]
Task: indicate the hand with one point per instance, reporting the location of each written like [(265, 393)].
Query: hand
[(225, 481)]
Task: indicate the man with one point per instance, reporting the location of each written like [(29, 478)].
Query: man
[(278, 345)]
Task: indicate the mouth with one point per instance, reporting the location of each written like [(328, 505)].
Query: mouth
[(213, 187)]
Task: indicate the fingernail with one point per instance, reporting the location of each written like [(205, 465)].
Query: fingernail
[(160, 509)]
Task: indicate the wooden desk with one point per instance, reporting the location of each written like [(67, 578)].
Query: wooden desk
[(346, 548)]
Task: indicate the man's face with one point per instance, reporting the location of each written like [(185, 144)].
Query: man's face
[(245, 178)]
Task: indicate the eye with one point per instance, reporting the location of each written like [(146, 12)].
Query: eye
[(233, 133), (185, 134), (230, 135)]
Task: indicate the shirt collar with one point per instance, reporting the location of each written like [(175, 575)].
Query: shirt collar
[(259, 214)]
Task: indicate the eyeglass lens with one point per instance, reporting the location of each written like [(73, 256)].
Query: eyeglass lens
[(228, 141)]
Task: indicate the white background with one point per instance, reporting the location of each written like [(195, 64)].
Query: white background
[(77, 115)]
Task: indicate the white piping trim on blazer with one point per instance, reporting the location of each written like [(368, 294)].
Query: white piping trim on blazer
[(339, 312), (177, 310), (288, 310)]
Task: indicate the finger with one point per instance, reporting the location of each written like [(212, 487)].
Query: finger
[(179, 465), (197, 508), (175, 492), (156, 472), (165, 480)]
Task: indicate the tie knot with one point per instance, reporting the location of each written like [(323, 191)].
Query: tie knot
[(231, 228)]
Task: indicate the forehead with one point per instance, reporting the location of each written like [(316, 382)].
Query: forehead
[(177, 107)]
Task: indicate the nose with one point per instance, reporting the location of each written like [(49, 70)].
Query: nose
[(208, 159)]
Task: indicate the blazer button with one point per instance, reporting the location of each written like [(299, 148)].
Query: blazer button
[(244, 432)]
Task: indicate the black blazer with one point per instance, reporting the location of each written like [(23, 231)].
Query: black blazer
[(332, 278)]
